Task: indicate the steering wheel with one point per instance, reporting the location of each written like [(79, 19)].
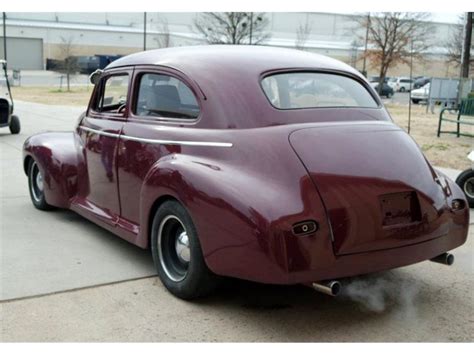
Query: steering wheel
[(121, 108)]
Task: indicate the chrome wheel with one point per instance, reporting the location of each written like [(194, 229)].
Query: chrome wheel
[(37, 184), (173, 248), (469, 187)]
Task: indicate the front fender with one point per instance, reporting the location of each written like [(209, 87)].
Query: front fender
[(243, 218), (58, 160)]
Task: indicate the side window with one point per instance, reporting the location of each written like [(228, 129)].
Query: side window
[(114, 94), (162, 95)]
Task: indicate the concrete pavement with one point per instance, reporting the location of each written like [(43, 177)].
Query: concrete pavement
[(64, 279), (44, 252)]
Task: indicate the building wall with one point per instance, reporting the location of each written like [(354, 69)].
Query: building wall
[(336, 35)]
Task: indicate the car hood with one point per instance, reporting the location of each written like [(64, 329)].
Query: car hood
[(378, 189), (420, 91)]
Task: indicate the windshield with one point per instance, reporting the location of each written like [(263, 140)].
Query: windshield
[(311, 90)]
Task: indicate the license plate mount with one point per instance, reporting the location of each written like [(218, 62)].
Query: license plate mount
[(400, 208)]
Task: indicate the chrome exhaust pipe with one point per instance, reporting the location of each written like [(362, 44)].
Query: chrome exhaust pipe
[(445, 258), (331, 288)]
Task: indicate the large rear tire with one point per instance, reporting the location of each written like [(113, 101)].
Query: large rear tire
[(15, 126), (465, 180), (177, 253)]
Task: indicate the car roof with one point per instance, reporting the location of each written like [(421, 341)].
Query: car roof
[(228, 77), (245, 59)]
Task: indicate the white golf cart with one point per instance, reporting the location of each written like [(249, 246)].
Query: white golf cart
[(7, 118)]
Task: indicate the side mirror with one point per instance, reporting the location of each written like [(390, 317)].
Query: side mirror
[(95, 77)]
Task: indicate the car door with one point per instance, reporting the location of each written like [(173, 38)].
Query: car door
[(100, 131), (165, 107)]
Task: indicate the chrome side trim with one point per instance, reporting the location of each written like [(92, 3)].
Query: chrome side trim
[(102, 133), (158, 141), (163, 141)]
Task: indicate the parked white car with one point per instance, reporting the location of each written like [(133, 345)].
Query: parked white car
[(420, 94), (401, 84)]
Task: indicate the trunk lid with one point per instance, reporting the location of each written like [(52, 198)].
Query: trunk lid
[(378, 189)]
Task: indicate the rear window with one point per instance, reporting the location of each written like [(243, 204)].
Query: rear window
[(312, 90)]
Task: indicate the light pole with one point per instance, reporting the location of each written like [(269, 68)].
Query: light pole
[(144, 31), (5, 38), (411, 87), (366, 44), (251, 27)]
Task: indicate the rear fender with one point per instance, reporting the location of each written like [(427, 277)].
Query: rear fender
[(243, 219)]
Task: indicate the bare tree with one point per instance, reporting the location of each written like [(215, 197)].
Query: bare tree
[(454, 46), (394, 37), (233, 27), (302, 35), (163, 40), (69, 65)]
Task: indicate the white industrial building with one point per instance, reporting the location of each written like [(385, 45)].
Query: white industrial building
[(34, 37)]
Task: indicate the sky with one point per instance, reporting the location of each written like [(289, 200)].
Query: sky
[(449, 17)]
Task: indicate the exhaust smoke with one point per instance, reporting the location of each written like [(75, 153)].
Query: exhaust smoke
[(378, 292)]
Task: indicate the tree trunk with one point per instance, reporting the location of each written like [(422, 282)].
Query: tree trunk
[(383, 72), (466, 51)]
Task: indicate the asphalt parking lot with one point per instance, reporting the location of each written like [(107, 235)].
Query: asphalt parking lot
[(64, 279)]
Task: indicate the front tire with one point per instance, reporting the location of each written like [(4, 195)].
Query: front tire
[(15, 126), (465, 180), (402, 89), (177, 253), (36, 187), (415, 101)]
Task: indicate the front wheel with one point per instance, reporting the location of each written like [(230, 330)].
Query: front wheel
[(177, 253), (36, 187), (402, 89), (465, 180), (15, 126), (415, 101)]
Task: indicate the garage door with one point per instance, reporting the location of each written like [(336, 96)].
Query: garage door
[(23, 53)]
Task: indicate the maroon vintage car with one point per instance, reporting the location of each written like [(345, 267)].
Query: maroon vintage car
[(266, 164)]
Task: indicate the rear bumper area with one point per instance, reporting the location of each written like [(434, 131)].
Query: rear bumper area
[(374, 261), (286, 259)]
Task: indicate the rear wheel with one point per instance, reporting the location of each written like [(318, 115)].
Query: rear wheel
[(415, 101), (465, 180), (15, 125), (177, 253), (402, 89), (36, 187)]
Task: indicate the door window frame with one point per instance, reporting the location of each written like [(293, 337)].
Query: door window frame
[(99, 91), (161, 70)]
